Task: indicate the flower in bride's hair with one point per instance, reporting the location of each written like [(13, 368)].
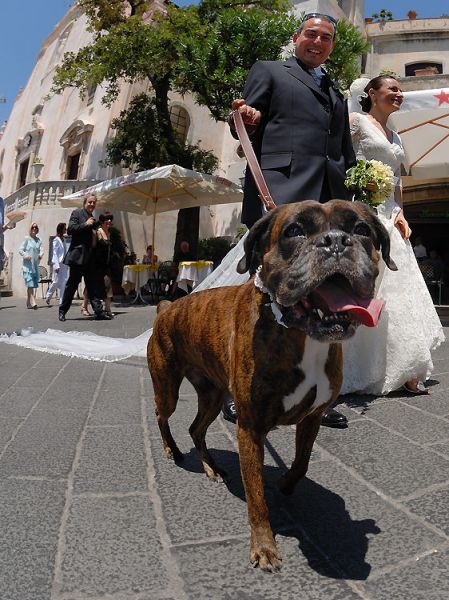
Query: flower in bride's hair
[(361, 96), (371, 181)]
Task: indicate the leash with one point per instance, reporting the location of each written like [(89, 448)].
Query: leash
[(253, 164)]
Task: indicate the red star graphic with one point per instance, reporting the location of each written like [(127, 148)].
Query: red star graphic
[(442, 98)]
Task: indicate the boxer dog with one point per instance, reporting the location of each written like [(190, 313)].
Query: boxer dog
[(273, 342)]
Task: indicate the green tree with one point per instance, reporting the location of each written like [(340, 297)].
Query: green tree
[(139, 142), (343, 65), (214, 63), (127, 49)]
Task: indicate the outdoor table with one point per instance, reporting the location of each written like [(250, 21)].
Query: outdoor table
[(193, 272), (132, 279)]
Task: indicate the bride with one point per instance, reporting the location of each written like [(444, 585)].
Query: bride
[(397, 352)]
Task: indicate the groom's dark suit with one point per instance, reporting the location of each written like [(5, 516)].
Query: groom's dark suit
[(79, 259), (303, 142)]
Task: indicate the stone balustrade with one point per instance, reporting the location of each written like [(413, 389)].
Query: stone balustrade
[(41, 194)]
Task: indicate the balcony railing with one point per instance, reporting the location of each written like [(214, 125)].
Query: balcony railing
[(42, 194)]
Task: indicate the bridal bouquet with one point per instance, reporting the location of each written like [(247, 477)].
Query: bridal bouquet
[(371, 181)]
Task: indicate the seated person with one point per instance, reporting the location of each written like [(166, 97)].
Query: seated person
[(183, 253), (149, 258)]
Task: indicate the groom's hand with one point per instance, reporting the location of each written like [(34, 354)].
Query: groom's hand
[(401, 223), (251, 117)]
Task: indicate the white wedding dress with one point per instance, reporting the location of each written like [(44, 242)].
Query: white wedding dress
[(381, 359)]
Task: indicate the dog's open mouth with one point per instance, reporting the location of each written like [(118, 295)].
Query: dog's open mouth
[(333, 309)]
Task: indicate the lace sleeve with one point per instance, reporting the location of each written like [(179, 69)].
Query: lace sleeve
[(354, 125)]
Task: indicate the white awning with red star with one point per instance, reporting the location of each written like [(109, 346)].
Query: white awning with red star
[(423, 124)]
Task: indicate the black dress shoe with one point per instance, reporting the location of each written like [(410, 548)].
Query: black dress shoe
[(332, 418), (61, 316), (103, 316), (228, 411)]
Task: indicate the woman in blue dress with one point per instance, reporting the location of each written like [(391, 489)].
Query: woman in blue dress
[(31, 253)]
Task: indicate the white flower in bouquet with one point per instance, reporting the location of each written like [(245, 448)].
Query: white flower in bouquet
[(371, 181)]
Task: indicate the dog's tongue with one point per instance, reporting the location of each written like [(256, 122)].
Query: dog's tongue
[(339, 298)]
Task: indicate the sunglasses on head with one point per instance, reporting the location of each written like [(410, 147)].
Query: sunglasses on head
[(317, 15)]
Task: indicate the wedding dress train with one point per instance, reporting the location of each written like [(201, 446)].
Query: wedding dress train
[(108, 349)]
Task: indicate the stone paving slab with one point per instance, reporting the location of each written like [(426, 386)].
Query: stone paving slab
[(432, 508), (112, 460), (353, 526), (219, 571), (44, 446), (384, 459), (425, 579), (30, 515), (8, 425), (415, 424), (111, 546), (437, 402)]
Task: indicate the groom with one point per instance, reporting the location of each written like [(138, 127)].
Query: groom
[(298, 122), (79, 258)]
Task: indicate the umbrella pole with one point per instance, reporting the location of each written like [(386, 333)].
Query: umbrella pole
[(154, 225)]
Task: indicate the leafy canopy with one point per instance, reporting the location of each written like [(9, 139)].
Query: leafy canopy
[(205, 49)]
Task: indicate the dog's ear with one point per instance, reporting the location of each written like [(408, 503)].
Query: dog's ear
[(382, 242), (255, 244)]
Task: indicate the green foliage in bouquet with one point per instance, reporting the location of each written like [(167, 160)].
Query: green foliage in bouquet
[(371, 181)]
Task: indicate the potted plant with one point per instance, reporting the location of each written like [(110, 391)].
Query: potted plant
[(382, 16), (412, 14)]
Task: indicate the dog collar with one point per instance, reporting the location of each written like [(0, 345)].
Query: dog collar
[(275, 308)]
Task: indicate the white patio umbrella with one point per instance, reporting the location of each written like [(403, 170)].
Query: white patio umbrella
[(159, 190), (423, 124)]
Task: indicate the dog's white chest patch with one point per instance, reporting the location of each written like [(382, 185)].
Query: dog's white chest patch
[(313, 366)]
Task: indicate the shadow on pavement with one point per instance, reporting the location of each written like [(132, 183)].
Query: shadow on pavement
[(334, 544)]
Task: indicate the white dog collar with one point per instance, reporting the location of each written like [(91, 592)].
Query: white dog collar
[(275, 308)]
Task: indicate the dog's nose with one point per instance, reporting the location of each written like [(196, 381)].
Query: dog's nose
[(335, 241)]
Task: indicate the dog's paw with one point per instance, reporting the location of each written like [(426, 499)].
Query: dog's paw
[(264, 552), (217, 475), (268, 559), (174, 453)]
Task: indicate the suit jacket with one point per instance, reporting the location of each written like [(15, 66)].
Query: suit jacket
[(80, 249), (303, 141)]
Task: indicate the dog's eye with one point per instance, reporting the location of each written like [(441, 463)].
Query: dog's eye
[(362, 229), (294, 230)]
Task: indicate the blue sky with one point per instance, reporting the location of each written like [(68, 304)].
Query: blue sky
[(27, 22), (400, 8)]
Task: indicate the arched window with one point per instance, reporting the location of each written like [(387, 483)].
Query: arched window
[(75, 142), (423, 68), (180, 120)]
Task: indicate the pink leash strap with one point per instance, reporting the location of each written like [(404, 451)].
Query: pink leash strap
[(253, 164)]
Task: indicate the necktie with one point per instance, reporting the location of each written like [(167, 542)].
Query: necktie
[(317, 74)]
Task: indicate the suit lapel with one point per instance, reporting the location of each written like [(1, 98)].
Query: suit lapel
[(301, 75), (334, 93)]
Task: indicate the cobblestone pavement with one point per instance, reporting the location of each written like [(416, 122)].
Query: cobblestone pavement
[(90, 509)]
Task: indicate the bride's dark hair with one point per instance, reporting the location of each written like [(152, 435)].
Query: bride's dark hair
[(374, 84)]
